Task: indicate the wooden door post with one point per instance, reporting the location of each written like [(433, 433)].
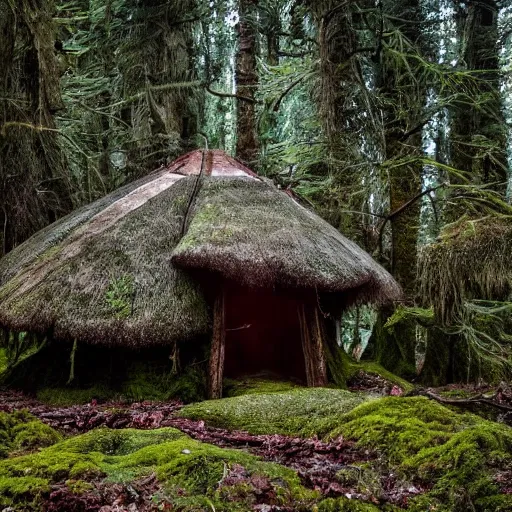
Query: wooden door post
[(217, 353), (312, 345)]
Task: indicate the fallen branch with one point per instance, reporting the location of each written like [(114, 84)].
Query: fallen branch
[(464, 402)]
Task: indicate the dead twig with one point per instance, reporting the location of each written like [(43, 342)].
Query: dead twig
[(466, 402)]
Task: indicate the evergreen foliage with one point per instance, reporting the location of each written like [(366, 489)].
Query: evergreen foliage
[(392, 119)]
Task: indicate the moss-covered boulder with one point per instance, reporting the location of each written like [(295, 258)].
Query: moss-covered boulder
[(20, 431), (302, 411)]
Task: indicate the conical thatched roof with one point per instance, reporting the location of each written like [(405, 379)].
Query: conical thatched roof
[(115, 271)]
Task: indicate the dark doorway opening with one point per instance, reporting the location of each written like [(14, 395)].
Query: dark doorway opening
[(263, 334)]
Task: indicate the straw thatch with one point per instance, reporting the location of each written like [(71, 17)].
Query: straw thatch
[(471, 260), (105, 275), (114, 271), (249, 231)]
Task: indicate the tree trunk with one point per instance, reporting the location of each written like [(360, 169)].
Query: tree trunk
[(313, 345), (403, 139), (478, 144), (405, 184), (339, 79), (34, 185), (402, 142), (246, 83), (479, 132)]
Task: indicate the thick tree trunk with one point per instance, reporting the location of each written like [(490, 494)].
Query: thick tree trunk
[(339, 79), (34, 185), (246, 84), (477, 24), (478, 145), (405, 184), (403, 141)]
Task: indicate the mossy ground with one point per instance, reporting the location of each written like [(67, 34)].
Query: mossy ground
[(254, 385), (21, 432), (192, 474), (301, 411), (455, 456)]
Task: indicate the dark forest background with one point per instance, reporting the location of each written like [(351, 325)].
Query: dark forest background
[(391, 118)]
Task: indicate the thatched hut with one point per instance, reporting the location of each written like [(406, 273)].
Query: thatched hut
[(200, 247)]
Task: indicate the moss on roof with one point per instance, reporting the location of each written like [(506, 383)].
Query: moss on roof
[(105, 273), (249, 231), (117, 286)]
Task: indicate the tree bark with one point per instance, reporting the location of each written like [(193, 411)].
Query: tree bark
[(477, 26), (246, 83), (478, 140), (34, 184), (339, 78), (402, 141), (404, 180), (313, 345)]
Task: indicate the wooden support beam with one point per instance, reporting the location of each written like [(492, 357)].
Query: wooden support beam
[(312, 345), (217, 353)]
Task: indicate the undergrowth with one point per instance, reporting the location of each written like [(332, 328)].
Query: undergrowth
[(3, 360), (103, 373)]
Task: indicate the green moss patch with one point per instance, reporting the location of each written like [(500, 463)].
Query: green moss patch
[(21, 431), (253, 385), (3, 360), (454, 458), (191, 473), (23, 492), (62, 396), (301, 411), (346, 505), (457, 454)]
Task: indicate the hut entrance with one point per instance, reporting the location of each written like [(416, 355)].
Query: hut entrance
[(262, 334)]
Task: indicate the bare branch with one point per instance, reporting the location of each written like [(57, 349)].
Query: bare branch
[(229, 95)]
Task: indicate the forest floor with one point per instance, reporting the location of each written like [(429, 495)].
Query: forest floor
[(298, 449)]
